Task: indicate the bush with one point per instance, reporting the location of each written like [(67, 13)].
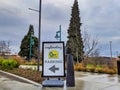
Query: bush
[(18, 59), (99, 66), (90, 67), (115, 69), (79, 67), (109, 71), (1, 62), (99, 70), (33, 62), (9, 64)]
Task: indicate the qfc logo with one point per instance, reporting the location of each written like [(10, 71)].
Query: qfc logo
[(53, 54)]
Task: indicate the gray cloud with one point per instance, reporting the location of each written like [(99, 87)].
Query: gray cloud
[(99, 17), (102, 18)]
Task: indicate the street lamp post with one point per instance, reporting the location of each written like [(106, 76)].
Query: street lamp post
[(58, 34), (30, 54), (39, 31), (39, 34), (31, 45)]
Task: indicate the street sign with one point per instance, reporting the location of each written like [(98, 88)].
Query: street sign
[(53, 69), (53, 59)]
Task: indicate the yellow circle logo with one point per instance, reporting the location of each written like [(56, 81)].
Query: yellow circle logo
[(53, 54)]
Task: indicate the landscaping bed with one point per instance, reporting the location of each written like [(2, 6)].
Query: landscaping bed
[(27, 73), (12, 66), (95, 69)]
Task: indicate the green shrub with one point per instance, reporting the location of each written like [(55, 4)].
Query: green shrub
[(90, 67), (33, 62), (1, 62), (99, 66), (99, 70), (9, 64), (79, 67)]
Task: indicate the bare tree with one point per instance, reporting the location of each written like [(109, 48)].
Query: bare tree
[(90, 45), (4, 47), (95, 53)]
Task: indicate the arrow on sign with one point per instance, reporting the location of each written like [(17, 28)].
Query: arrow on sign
[(53, 68)]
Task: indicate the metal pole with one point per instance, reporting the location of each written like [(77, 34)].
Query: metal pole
[(30, 48), (60, 33), (111, 49), (39, 34)]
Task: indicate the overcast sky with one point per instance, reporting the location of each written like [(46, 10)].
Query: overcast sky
[(99, 17)]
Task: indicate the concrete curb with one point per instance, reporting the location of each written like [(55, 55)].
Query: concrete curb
[(21, 78)]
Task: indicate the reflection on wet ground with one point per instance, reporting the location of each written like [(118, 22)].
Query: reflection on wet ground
[(100, 81), (93, 81), (79, 84), (108, 79), (80, 75)]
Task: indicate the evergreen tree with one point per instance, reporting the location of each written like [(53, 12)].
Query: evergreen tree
[(25, 44), (74, 43)]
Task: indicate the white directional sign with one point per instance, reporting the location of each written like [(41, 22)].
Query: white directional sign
[(53, 59)]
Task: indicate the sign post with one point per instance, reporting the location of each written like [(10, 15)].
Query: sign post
[(53, 60)]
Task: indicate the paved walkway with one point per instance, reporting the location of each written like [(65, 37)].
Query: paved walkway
[(9, 84), (84, 81), (97, 82), (92, 81)]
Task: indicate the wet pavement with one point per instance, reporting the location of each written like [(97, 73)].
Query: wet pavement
[(9, 84), (83, 81), (93, 81)]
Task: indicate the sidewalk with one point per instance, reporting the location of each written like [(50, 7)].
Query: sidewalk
[(84, 81), (9, 84)]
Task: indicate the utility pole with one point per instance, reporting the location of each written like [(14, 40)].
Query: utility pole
[(111, 49)]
